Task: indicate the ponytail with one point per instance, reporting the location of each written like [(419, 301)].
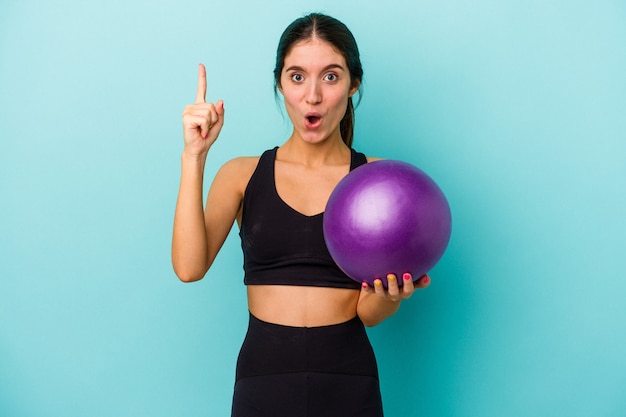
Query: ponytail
[(346, 126)]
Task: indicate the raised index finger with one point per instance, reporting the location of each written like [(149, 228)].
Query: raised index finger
[(201, 94)]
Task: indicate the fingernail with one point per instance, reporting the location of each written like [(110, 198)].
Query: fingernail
[(406, 276), (378, 283), (364, 284), (425, 280), (391, 277)]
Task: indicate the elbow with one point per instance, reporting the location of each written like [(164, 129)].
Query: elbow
[(189, 275), (186, 278), (189, 270)]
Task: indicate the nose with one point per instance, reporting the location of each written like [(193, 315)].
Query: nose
[(314, 93)]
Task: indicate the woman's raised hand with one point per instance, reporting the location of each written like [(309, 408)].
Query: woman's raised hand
[(202, 121)]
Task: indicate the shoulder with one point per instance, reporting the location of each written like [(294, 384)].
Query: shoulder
[(230, 182), (238, 171), (240, 165), (362, 155)]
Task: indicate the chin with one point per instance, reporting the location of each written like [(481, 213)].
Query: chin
[(312, 137), (315, 139)]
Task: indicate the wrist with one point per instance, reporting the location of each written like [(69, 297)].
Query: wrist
[(192, 157)]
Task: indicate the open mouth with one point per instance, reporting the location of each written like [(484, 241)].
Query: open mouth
[(313, 120)]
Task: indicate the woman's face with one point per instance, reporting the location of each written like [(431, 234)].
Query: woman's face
[(315, 82)]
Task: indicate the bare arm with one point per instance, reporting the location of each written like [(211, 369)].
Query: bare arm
[(194, 242), (190, 257), (377, 304)]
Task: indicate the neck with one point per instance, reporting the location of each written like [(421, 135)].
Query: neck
[(328, 152)]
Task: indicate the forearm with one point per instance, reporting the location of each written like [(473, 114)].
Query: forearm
[(377, 303), (373, 310), (189, 240)]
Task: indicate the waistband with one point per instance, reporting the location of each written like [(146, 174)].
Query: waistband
[(337, 327), (270, 348)]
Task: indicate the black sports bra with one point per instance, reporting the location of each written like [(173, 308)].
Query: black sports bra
[(280, 245)]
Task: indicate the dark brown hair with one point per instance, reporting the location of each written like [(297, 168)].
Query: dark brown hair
[(331, 30)]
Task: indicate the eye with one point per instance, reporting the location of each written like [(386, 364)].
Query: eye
[(297, 78), (332, 77)]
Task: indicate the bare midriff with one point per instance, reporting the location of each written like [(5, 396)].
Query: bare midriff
[(302, 306)]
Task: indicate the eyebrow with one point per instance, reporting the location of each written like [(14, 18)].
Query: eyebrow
[(326, 68)]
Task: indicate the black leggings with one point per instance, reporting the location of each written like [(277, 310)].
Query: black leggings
[(326, 371)]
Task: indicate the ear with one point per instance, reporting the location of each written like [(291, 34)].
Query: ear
[(355, 87)]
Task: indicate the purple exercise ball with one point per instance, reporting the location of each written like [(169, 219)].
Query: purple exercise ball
[(386, 217)]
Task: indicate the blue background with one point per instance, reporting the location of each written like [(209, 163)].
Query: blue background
[(516, 109)]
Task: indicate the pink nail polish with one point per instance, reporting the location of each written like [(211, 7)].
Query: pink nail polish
[(364, 284), (406, 276), (425, 280)]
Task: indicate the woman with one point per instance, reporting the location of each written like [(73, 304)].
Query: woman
[(306, 352)]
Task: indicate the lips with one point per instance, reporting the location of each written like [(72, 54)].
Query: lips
[(312, 120)]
